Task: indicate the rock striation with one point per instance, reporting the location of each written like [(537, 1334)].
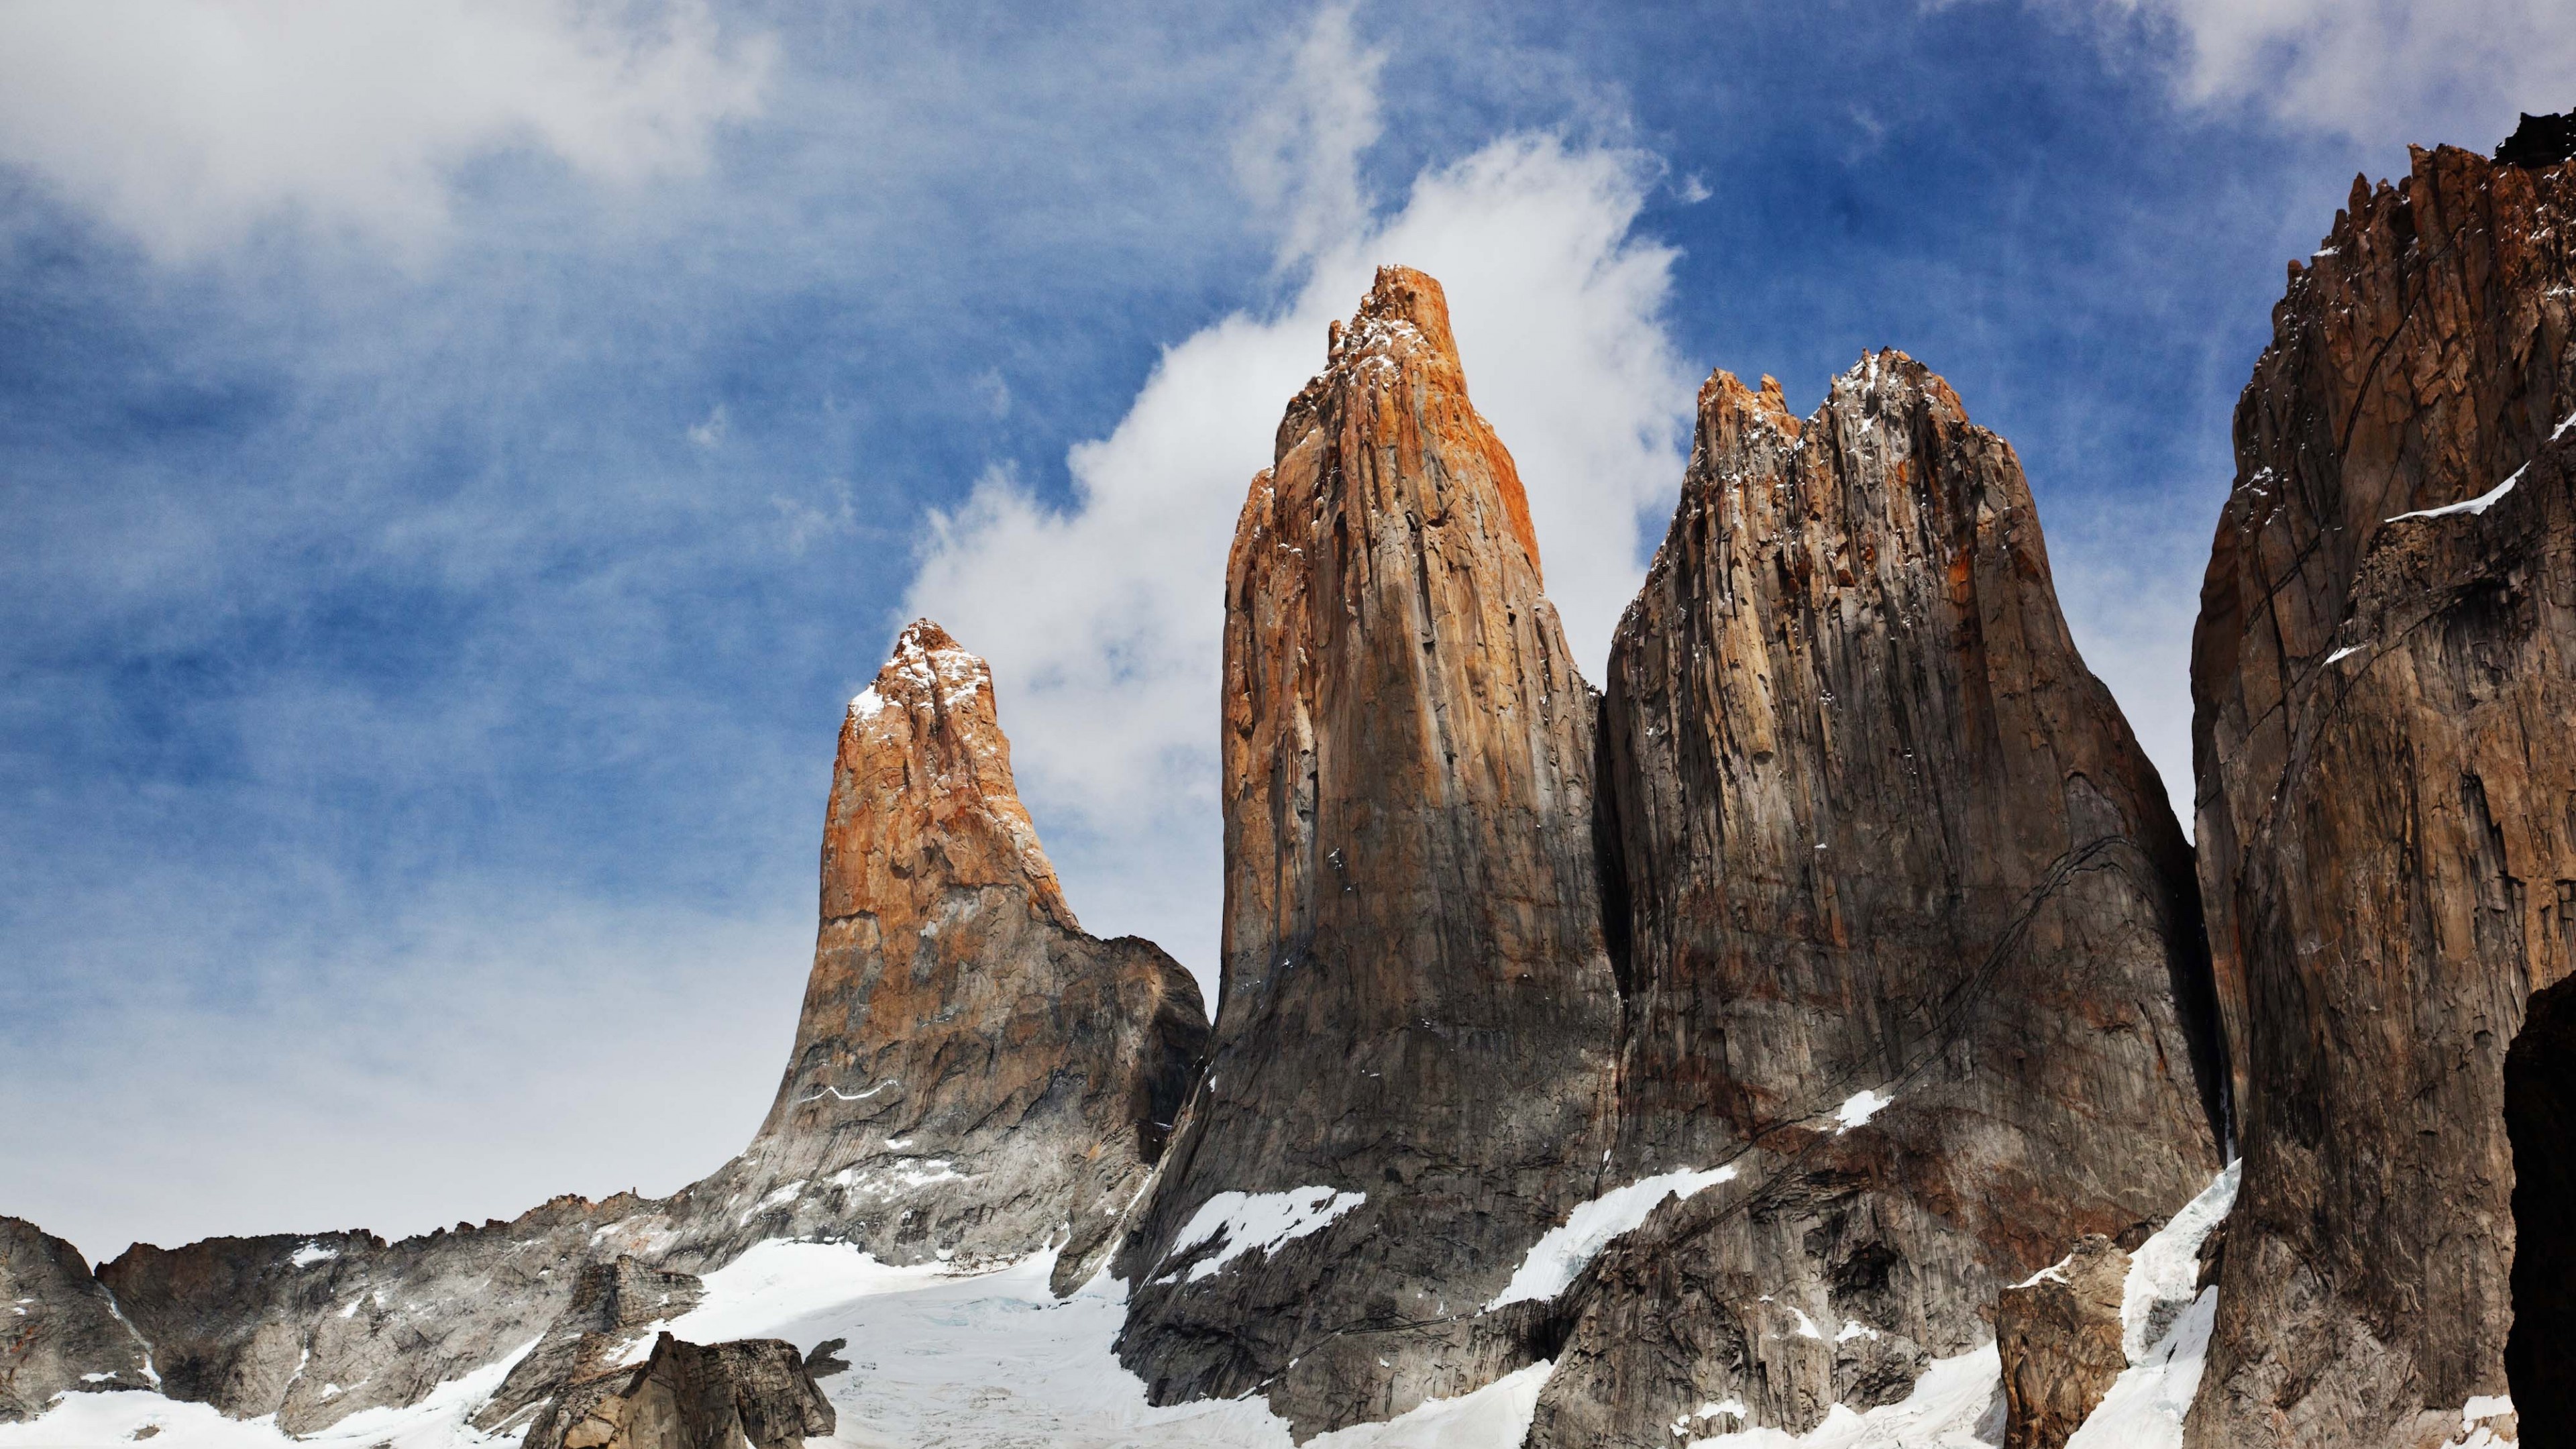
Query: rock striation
[(2382, 677), (1909, 932), (1410, 1080), (752, 1393), (59, 1330)]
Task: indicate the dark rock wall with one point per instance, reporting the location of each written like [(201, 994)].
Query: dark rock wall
[(2386, 824), (2540, 1117), (59, 1330), (1878, 830), (1417, 1003)]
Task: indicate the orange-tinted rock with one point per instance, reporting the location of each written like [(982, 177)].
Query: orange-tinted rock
[(1418, 1011), (1912, 939), (2382, 688), (971, 1070), (2058, 1338)]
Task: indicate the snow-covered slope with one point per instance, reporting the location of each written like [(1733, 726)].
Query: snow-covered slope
[(991, 1360)]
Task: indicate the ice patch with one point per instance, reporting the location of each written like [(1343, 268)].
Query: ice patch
[(1956, 1404), (2145, 1405), (1552, 1263), (1256, 1220), (312, 1253), (1862, 1105), (2345, 652), (2479, 504)]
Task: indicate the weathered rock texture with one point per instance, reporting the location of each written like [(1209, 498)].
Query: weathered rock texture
[(59, 1330), (753, 1393), (1877, 830), (971, 1070), (2386, 823), (1418, 1011), (2058, 1336), (2540, 1117), (613, 1304)]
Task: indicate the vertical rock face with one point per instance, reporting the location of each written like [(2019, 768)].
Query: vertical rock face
[(1411, 1071), (1911, 937), (2383, 677), (2540, 1116), (971, 1070), (612, 1304), (59, 1330)]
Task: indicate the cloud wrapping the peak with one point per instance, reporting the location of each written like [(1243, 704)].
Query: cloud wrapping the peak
[(191, 123), (1104, 620)]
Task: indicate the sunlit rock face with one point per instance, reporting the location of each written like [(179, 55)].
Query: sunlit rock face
[(59, 1332), (2383, 676), (1411, 1079), (973, 1076), (1908, 930)]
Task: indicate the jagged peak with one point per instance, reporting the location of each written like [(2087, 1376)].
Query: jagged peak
[(925, 799)]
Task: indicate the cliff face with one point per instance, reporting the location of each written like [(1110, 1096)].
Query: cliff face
[(59, 1330), (1411, 1073), (971, 1070), (1911, 938), (2382, 679)]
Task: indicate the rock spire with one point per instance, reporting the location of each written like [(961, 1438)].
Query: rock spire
[(2382, 678), (1410, 1080), (1909, 930)]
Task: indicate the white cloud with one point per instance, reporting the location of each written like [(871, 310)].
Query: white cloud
[(191, 122), (2379, 71), (1104, 621), (711, 433)]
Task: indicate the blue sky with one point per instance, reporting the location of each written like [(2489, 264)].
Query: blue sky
[(459, 460)]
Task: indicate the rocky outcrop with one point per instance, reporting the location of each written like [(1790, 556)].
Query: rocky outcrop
[(2059, 1337), (313, 1328), (613, 1305), (1411, 1074), (1910, 933), (749, 1394), (2382, 678), (971, 1070), (59, 1330), (2540, 141)]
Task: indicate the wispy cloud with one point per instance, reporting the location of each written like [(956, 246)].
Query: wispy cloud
[(189, 123)]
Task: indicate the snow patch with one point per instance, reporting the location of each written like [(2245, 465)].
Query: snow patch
[(1958, 1403), (869, 704), (1248, 1221), (2345, 652), (2479, 504), (1553, 1262), (2145, 1405), (312, 1253), (1859, 1108)]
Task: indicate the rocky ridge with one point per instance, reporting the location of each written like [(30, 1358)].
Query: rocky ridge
[(1410, 1081), (2382, 675), (974, 1079), (60, 1331), (1911, 940)]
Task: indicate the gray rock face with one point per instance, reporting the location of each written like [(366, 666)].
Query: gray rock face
[(313, 1328), (1411, 1078), (2058, 1336), (2382, 683), (1910, 936), (752, 1393), (59, 1330), (612, 1304)]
